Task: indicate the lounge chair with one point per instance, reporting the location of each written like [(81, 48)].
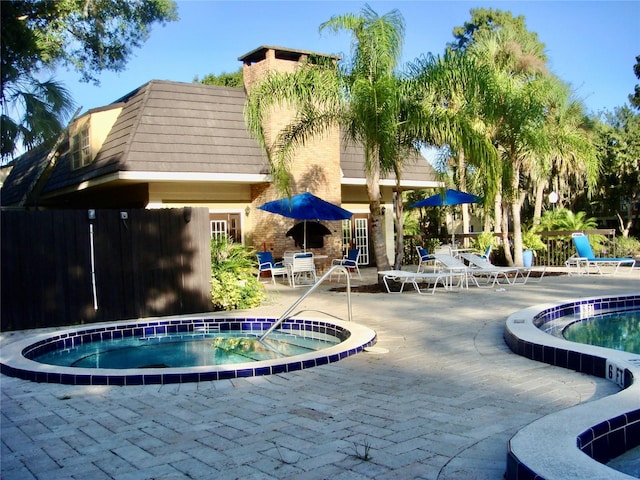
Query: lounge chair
[(350, 261), (266, 264), (493, 274), (414, 278), (584, 259), (487, 253), (425, 258), (456, 267)]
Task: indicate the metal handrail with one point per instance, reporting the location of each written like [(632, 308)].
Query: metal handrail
[(285, 315)]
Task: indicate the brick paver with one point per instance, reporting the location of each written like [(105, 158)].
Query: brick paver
[(441, 404)]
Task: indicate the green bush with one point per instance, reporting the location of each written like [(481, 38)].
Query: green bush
[(627, 247), (233, 281), (532, 241), (482, 241)]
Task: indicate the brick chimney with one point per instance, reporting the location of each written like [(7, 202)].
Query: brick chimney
[(315, 167)]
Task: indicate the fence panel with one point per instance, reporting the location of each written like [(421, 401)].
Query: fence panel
[(154, 262)]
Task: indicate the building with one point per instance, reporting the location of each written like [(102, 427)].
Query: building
[(171, 144)]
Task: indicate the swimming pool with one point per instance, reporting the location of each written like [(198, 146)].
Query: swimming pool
[(618, 331), (335, 340), (582, 439)]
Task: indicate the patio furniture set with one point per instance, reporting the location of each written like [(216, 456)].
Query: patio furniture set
[(300, 268)]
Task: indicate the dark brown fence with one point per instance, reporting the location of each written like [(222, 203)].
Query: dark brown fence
[(78, 266)]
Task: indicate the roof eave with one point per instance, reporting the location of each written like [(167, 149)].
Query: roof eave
[(405, 184)]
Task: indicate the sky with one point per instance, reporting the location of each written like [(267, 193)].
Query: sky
[(591, 45)]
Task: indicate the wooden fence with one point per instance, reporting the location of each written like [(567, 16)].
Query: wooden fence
[(63, 267)]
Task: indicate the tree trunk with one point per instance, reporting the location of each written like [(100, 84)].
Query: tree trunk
[(505, 234), (377, 220), (497, 213), (462, 182), (516, 203), (537, 211), (398, 209), (517, 232)]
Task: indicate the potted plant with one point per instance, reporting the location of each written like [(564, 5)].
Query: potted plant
[(531, 244)]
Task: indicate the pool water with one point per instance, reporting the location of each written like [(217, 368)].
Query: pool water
[(184, 350), (618, 331)]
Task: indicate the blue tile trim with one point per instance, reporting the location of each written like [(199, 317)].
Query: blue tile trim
[(603, 441), (609, 439), (177, 326), (580, 362)]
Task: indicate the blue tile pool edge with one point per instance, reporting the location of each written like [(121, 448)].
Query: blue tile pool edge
[(15, 361), (608, 421)]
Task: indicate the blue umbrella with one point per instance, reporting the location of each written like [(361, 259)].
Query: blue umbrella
[(449, 197), (306, 206)]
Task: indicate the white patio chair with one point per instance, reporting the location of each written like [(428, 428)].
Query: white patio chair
[(302, 267)]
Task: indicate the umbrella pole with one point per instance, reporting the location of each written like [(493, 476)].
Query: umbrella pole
[(304, 241)]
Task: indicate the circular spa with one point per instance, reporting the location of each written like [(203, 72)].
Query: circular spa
[(181, 350)]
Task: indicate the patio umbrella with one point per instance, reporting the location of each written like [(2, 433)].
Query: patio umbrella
[(306, 206), (449, 197)]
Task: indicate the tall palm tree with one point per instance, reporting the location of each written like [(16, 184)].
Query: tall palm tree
[(570, 157), (360, 96), (453, 88), (518, 104)]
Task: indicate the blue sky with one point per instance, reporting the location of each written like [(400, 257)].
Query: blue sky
[(591, 44)]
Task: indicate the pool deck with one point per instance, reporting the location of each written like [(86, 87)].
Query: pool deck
[(441, 403)]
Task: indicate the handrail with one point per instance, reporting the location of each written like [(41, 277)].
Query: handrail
[(285, 315)]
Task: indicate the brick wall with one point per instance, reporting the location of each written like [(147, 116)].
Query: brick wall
[(315, 168)]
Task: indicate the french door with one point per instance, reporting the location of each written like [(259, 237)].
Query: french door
[(355, 234)]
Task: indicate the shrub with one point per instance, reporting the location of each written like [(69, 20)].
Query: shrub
[(532, 241), (233, 281), (482, 241), (627, 247)]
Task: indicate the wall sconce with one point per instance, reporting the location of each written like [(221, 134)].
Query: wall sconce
[(247, 211)]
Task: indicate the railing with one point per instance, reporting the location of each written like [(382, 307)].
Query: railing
[(313, 288), (559, 245)]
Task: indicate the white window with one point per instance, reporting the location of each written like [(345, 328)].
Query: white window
[(80, 149), (361, 239), (218, 229)]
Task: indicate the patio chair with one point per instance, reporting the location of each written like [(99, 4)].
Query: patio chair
[(302, 267), (267, 264), (585, 259), (350, 261), (493, 274), (425, 257)]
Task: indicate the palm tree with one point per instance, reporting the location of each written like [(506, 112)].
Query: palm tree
[(518, 107), (453, 88), (33, 113), (570, 157), (361, 97)]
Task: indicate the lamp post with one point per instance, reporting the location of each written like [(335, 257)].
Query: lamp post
[(553, 199)]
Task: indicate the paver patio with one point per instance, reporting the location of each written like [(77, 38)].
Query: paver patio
[(441, 404)]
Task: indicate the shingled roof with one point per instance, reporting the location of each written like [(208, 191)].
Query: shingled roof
[(174, 128)]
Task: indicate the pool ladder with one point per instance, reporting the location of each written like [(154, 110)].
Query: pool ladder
[(285, 315)]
